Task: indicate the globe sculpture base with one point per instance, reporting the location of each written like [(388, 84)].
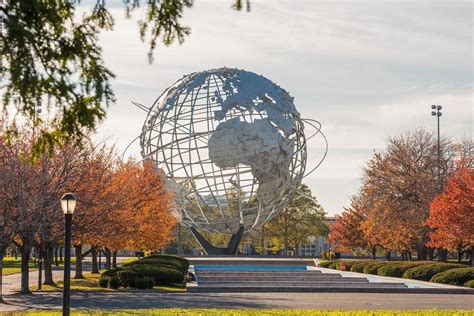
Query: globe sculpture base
[(211, 250)]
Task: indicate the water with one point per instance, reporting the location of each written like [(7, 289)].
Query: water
[(247, 268)]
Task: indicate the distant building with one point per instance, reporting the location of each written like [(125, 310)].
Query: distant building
[(316, 244)]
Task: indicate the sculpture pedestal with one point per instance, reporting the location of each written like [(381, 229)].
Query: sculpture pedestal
[(215, 251)]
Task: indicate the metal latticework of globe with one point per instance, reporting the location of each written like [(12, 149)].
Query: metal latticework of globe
[(232, 146)]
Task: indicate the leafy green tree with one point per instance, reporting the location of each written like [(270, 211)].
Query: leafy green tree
[(302, 219), (50, 57)]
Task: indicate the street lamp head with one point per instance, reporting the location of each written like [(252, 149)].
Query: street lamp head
[(439, 113), (433, 113), (439, 107), (433, 107), (68, 203)]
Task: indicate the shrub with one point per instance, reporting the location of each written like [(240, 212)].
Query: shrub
[(178, 261), (161, 275), (114, 282), (349, 264), (111, 272), (325, 264), (172, 264), (457, 276), (396, 269), (328, 264), (104, 281), (427, 271), (144, 283), (469, 284), (127, 277), (335, 265), (360, 265), (372, 268)]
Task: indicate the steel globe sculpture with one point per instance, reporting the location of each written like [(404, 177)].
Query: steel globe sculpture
[(233, 148)]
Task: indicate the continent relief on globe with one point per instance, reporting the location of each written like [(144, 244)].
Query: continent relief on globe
[(257, 144)]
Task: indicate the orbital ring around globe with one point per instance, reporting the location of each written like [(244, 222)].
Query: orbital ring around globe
[(232, 145)]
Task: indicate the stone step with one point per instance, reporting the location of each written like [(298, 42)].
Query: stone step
[(288, 273), (290, 283), (299, 285), (274, 279)]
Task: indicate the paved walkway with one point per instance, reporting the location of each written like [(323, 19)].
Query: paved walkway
[(133, 300), (11, 283)]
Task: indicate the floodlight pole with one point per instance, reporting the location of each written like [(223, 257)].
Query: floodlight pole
[(436, 111)]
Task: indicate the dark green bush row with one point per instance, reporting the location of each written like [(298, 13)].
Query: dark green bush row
[(397, 269), (458, 276), (373, 267), (447, 273), (427, 271)]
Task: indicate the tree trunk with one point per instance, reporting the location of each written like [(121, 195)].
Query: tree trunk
[(460, 254), (430, 254), (422, 253), (25, 250), (114, 259), (60, 254), (442, 255), (180, 241), (78, 250), (472, 256), (1, 276), (388, 255), (56, 260), (95, 268), (48, 266), (108, 261)]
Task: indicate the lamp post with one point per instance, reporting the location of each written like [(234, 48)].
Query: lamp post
[(68, 204), (436, 111)]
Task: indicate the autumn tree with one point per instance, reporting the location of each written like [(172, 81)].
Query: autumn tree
[(302, 219), (404, 180), (349, 233), (10, 182), (452, 214), (145, 220)]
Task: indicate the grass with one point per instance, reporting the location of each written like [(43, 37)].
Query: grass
[(12, 265), (90, 283), (250, 312), (128, 260)]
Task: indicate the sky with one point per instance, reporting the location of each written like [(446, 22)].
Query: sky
[(366, 70)]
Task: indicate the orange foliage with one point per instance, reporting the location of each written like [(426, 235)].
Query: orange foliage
[(452, 212)]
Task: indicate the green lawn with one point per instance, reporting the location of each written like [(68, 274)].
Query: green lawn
[(249, 312), (12, 265), (90, 283)]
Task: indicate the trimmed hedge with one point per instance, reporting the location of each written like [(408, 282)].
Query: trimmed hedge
[(360, 265), (427, 271), (154, 270), (457, 276), (104, 281), (335, 265), (326, 264), (114, 282), (397, 269), (372, 268), (173, 262), (469, 284)]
